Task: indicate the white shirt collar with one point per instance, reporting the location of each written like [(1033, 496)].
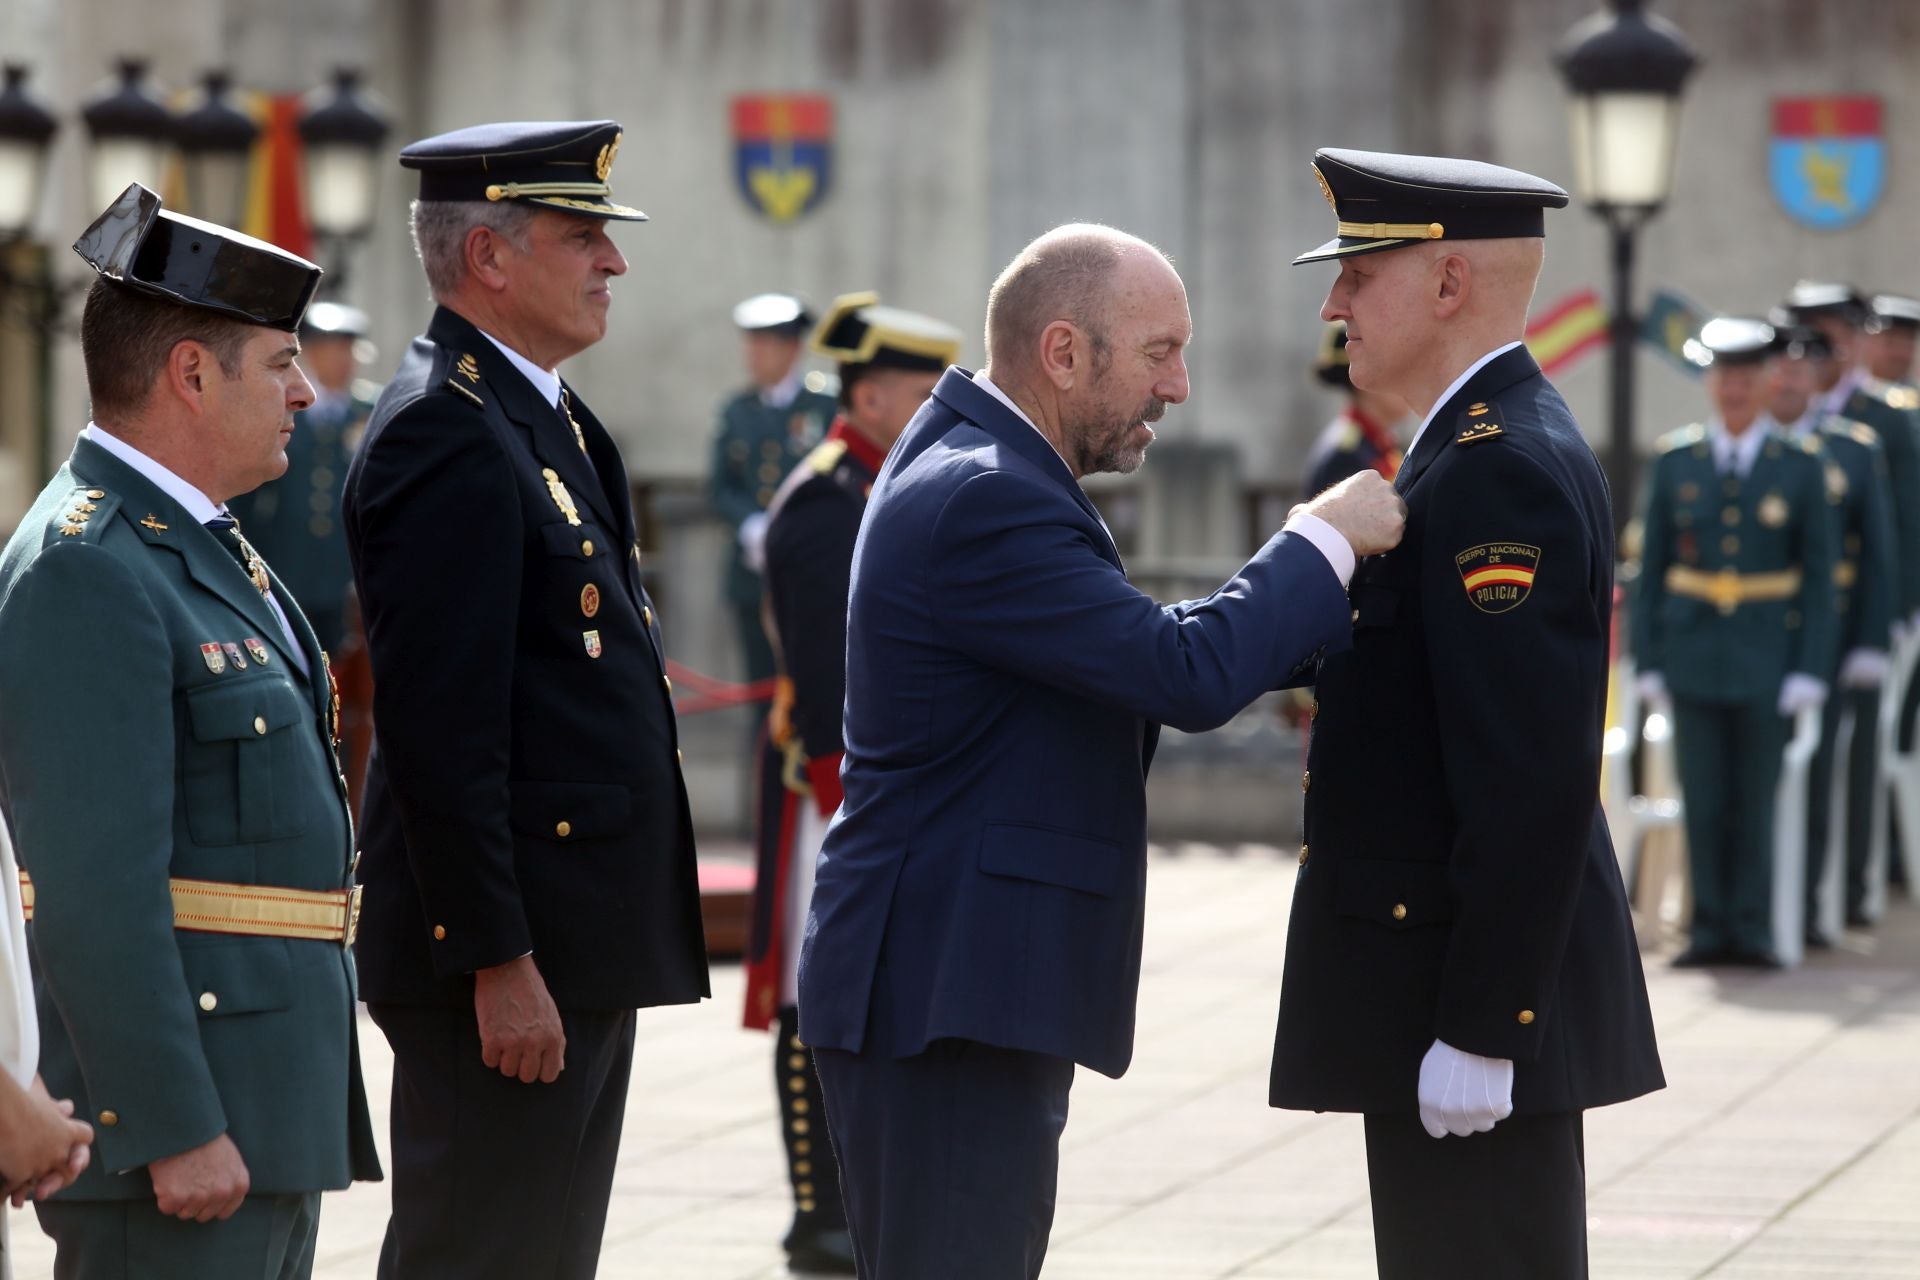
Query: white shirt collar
[(1458, 383), (1800, 426), (197, 504), (985, 383), (1740, 450), (782, 393), (1835, 400), (545, 381)]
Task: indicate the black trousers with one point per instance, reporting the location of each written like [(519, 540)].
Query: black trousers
[(493, 1178), (948, 1159), (1510, 1204)]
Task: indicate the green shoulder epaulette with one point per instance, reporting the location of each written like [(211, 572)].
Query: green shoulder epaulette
[(1479, 421), (1860, 431), (1683, 438), (84, 514), (1901, 397), (826, 456)]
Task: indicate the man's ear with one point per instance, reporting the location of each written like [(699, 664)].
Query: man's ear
[(1453, 274), (190, 366), (483, 251), (1062, 353)]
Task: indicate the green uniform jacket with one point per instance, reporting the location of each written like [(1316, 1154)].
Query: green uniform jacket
[(1866, 585), (130, 753), (753, 449), (1779, 518), (1888, 409)]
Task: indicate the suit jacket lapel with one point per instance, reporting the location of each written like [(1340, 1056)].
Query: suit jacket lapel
[(960, 393), (1488, 381)]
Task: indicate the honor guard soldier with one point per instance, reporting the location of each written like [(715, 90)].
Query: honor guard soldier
[(763, 431), (528, 843), (295, 521), (889, 360), (1888, 347), (1460, 963), (1735, 627), (190, 879), (1865, 581), (1363, 436)]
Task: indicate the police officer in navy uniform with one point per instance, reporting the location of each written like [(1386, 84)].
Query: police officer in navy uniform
[(1362, 436), (1865, 580), (889, 359), (171, 784), (529, 855), (295, 521), (763, 431), (1734, 624), (1461, 965)]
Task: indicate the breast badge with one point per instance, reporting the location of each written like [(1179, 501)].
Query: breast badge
[(1498, 576), (257, 649), (592, 640), (589, 600), (1773, 511), (237, 658), (561, 498), (215, 659)]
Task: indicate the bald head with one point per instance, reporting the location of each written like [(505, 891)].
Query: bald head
[(1072, 273)]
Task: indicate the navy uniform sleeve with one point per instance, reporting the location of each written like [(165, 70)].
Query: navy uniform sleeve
[(1017, 584), (87, 714), (809, 564), (438, 548), (1517, 650)]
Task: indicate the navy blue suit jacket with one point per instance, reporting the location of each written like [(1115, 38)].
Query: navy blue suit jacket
[(986, 874)]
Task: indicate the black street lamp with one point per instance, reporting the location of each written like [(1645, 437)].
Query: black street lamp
[(26, 131), (1625, 71), (130, 129), (343, 130), (216, 141)]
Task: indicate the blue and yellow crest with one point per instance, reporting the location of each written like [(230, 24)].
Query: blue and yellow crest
[(1828, 159), (783, 152)]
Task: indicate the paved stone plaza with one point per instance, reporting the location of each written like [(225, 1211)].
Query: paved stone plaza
[(1787, 1143)]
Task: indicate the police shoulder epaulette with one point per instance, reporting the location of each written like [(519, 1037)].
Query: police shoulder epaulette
[(1860, 431), (83, 515), (826, 456), (1479, 421), (1901, 397), (463, 376), (1684, 438)]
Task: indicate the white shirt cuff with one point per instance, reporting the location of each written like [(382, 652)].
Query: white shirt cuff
[(1328, 540)]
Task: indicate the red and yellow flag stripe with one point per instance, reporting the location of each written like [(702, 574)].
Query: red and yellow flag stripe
[(1517, 575), (1566, 331)]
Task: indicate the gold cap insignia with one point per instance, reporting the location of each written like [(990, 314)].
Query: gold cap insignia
[(1325, 190), (603, 167)]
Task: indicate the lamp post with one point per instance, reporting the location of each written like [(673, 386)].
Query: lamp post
[(216, 141), (343, 131), (130, 129), (1624, 70), (26, 130)]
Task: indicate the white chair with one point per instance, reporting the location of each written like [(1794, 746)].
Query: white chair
[(1789, 838)]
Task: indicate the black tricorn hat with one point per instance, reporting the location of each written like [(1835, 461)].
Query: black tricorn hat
[(142, 246), (1330, 363)]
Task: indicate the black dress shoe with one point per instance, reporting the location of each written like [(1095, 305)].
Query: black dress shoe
[(1755, 958), (1697, 957), (1817, 939), (1858, 919), (820, 1251)]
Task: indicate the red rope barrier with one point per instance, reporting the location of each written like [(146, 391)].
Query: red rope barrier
[(711, 694)]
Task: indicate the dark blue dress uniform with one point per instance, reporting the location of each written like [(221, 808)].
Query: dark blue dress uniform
[(1480, 904), (295, 521), (525, 793), (1736, 593), (1352, 442), (755, 446), (171, 785)]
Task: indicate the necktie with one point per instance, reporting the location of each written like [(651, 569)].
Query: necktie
[(226, 530), (566, 407)]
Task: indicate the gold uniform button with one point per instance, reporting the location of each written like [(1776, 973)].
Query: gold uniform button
[(797, 1083), (679, 756), (1356, 616), (801, 1106), (439, 933), (259, 724), (109, 1118), (586, 546), (803, 1167), (1730, 545), (802, 1146), (1730, 516), (1306, 781), (563, 829), (808, 1206), (1526, 1017), (667, 681), (209, 1001), (1303, 855), (801, 1126), (797, 1062), (805, 1188), (1399, 911), (646, 617)]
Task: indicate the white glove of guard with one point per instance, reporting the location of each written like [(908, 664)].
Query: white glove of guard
[(1653, 690), (1864, 669), (1800, 692), (1463, 1093), (753, 541)]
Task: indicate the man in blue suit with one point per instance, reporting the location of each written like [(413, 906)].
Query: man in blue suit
[(977, 914)]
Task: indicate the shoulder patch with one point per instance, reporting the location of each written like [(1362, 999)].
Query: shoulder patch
[(1860, 431), (1480, 431), (826, 456), (84, 514), (1498, 575), (465, 392), (1686, 437)]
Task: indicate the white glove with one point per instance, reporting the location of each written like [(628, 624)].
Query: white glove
[(1864, 669), (1653, 690), (1463, 1093), (1800, 692), (753, 541)]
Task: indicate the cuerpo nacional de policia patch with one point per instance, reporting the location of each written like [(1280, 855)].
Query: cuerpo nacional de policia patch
[(1498, 575)]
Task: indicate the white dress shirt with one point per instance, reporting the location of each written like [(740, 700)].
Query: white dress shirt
[(198, 505), (1734, 455), (545, 381)]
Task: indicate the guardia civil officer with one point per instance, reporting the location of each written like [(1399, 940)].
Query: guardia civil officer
[(1461, 966), (763, 430), (1364, 435), (166, 745), (529, 856), (889, 359), (1865, 581), (1734, 623), (295, 521), (1892, 332)]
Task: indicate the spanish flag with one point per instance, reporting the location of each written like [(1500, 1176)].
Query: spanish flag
[(276, 200), (1568, 330)]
